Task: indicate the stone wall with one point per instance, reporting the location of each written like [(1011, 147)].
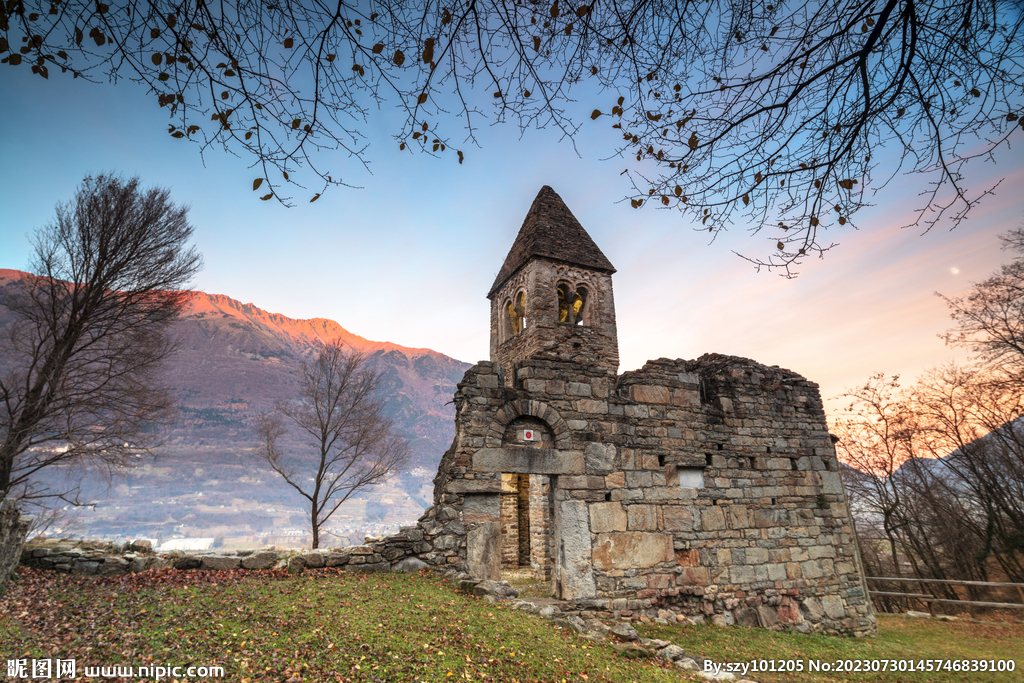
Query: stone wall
[(705, 487), (437, 540)]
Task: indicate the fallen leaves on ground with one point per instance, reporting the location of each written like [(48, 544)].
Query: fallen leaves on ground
[(324, 625)]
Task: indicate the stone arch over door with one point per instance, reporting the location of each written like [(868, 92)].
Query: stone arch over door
[(528, 408)]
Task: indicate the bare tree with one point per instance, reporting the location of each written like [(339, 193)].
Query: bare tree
[(876, 438), (85, 334), (347, 444), (771, 115), (990, 318), (969, 422), (938, 467)]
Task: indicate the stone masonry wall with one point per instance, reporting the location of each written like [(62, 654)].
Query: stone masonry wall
[(703, 487)]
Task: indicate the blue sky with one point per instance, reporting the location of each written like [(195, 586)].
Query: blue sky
[(410, 256)]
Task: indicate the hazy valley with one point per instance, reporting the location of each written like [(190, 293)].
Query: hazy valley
[(235, 360)]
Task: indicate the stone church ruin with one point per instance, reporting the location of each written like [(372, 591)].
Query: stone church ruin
[(705, 487)]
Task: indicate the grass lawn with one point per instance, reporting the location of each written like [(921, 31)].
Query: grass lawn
[(898, 638), (325, 625)]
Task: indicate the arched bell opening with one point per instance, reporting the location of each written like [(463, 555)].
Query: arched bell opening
[(572, 304)]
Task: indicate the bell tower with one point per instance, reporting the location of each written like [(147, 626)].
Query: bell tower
[(552, 299)]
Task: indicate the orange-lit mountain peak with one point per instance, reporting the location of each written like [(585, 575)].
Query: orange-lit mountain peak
[(311, 332)]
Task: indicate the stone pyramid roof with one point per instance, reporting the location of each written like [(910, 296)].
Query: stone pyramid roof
[(551, 231)]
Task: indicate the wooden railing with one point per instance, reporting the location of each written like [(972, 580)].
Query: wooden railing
[(930, 600)]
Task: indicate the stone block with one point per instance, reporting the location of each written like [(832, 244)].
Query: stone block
[(159, 563), (581, 481), (640, 411), (368, 567), (409, 564), (738, 518), (392, 554), (756, 555), (114, 565), (632, 549), (647, 393), (688, 558), (314, 560), (449, 542), (600, 458), (767, 616), (789, 611), (577, 389), (675, 493), (831, 483), (712, 518), (487, 381), (534, 386), (742, 575), (483, 551), (592, 406), (574, 567), (816, 552), (263, 559), (770, 518), (685, 397), (139, 564), (480, 508), (529, 461), (642, 518), (606, 517), (555, 387), (187, 562), (833, 606), (84, 567), (472, 486), (638, 480), (221, 562), (615, 480), (811, 569), (814, 609), (677, 517)]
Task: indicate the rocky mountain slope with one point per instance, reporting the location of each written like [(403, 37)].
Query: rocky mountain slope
[(233, 361), (236, 359)]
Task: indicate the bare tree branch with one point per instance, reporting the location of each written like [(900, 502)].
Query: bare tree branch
[(85, 335), (348, 445), (767, 116)]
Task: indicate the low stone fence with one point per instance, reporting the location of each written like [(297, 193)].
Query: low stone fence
[(433, 542), (97, 557)]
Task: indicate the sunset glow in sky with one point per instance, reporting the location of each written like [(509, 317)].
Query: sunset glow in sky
[(409, 257)]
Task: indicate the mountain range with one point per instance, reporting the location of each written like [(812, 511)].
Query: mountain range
[(233, 361)]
